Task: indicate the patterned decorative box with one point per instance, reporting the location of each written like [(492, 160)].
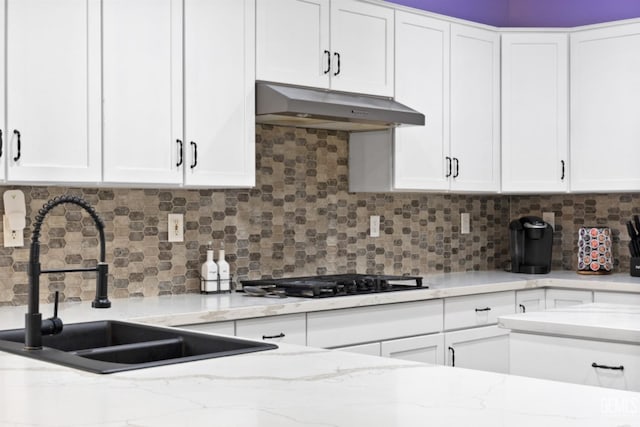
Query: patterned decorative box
[(594, 250)]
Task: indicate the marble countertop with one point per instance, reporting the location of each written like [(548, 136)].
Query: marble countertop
[(175, 310), (613, 322), (298, 386)]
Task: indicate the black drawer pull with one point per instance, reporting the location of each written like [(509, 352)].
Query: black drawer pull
[(562, 177), (0, 142), (614, 368), (326, 52), (179, 142), (524, 309), (483, 309), (457, 169), (337, 56), (17, 157), (453, 356), (270, 337), (448, 167), (195, 154)]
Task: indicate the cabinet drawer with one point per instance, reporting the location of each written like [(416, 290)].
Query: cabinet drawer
[(289, 328), (530, 300), (558, 298), (224, 328), (485, 349), (371, 349), (425, 349), (616, 297), (477, 310), (375, 323), (571, 360)]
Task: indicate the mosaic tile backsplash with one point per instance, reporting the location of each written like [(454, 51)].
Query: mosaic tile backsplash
[(300, 219)]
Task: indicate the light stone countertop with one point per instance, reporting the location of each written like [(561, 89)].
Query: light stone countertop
[(299, 386), (175, 310), (611, 322)]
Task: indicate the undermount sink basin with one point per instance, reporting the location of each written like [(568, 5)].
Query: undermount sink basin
[(111, 346)]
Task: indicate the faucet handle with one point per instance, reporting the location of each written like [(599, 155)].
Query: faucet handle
[(53, 325)]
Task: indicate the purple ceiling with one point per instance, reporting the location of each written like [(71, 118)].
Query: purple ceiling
[(531, 13)]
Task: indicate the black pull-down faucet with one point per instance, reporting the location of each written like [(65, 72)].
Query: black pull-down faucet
[(35, 327)]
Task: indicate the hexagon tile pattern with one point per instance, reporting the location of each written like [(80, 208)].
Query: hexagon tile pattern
[(299, 219)]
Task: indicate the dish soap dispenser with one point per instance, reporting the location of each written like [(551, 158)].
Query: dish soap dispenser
[(209, 273), (223, 271)]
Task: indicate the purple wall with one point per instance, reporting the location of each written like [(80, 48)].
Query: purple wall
[(531, 13)]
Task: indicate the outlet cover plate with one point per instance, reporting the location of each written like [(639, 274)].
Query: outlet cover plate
[(465, 223), (374, 226), (12, 238)]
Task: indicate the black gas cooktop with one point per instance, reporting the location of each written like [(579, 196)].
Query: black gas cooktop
[(334, 285)]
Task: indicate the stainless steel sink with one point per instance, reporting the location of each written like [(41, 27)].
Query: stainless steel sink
[(111, 346)]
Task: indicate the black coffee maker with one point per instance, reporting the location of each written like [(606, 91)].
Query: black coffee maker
[(531, 242)]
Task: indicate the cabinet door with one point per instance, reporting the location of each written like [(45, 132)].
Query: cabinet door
[(362, 48), (142, 89), (475, 109), (372, 349), (219, 93), (52, 132), (558, 298), (292, 42), (605, 98), (422, 82), (425, 349), (485, 349), (572, 360), (289, 328), (530, 300), (3, 130), (534, 112), (224, 328), (616, 297)]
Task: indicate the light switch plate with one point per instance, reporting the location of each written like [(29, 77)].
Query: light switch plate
[(176, 228), (12, 238), (374, 226), (465, 223)]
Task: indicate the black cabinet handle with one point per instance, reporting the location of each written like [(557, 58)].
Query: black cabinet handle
[(195, 154), (524, 309), (0, 142), (326, 52), (448, 167), (270, 337), (483, 309), (17, 157), (337, 55), (615, 368), (453, 356), (457, 168), (562, 163), (180, 156)]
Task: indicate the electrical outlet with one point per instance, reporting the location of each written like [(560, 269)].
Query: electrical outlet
[(12, 238), (549, 218), (374, 226), (176, 228), (465, 223)]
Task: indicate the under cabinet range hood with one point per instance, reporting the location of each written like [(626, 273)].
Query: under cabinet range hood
[(283, 105)]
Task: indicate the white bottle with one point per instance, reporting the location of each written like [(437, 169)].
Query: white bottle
[(223, 271), (209, 273)]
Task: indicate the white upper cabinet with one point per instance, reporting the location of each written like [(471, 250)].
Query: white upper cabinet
[(475, 109), (344, 45), (535, 112), (52, 129), (219, 93), (3, 149), (422, 82), (292, 42), (362, 40), (142, 84), (605, 100)]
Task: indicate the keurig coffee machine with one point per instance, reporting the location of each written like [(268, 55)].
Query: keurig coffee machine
[(531, 242)]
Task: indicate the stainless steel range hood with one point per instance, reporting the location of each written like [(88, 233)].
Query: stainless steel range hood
[(283, 105)]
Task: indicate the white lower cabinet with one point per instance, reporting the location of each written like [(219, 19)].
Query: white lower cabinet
[(530, 300), (223, 328), (337, 328), (371, 349), (616, 297), (579, 361), (288, 328), (558, 298), (485, 349), (425, 349)]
